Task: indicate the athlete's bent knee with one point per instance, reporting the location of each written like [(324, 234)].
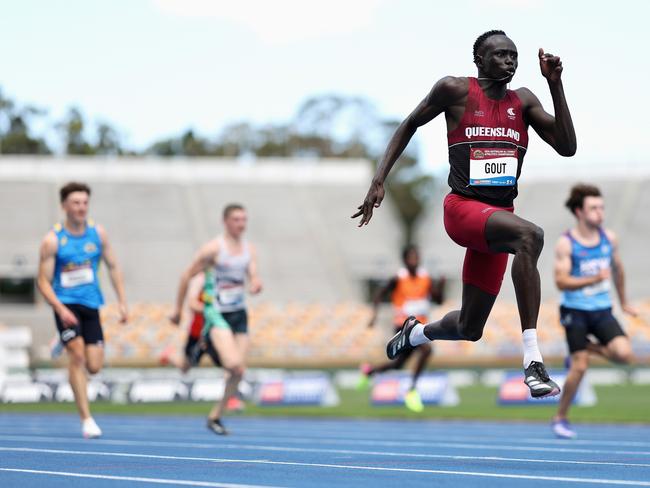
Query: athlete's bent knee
[(471, 335), (93, 368), (624, 357), (532, 240), (235, 369)]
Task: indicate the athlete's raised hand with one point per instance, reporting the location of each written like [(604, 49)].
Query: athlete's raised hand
[(373, 200), (550, 65)]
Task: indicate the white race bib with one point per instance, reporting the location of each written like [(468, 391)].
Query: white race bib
[(601, 287), (231, 295), (492, 166), (77, 277), (416, 307)]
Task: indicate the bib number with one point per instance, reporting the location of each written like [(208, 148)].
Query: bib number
[(490, 166), (77, 277)]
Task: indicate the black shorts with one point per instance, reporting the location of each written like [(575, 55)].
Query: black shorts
[(89, 326), (578, 324), (238, 321), (194, 351)]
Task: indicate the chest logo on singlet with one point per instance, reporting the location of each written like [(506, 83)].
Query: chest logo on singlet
[(492, 166), (90, 247), (511, 113)]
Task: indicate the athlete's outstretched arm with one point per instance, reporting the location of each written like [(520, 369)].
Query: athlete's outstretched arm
[(557, 131), (203, 259), (443, 93), (619, 275), (115, 272), (563, 278), (46, 263)]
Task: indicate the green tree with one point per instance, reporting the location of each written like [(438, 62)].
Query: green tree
[(72, 129), (108, 140), (15, 134)]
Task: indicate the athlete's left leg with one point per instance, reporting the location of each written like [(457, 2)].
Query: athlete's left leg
[(397, 363), (618, 350), (94, 358), (507, 232)]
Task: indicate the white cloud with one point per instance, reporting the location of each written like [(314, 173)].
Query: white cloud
[(280, 21)]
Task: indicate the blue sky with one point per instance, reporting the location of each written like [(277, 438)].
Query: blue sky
[(156, 67)]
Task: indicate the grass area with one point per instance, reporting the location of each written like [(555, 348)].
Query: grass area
[(621, 403)]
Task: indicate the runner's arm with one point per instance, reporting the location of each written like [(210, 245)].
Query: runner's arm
[(204, 258), (114, 271), (46, 262), (444, 93), (619, 274), (563, 278), (379, 296), (195, 295), (253, 275), (556, 131)]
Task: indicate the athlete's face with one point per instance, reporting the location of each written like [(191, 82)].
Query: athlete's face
[(498, 59), (412, 259), (592, 212), (75, 206), (236, 222)]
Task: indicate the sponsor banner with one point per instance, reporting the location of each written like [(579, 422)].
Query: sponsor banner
[(434, 389), (513, 391), (297, 390), (209, 390), (96, 391), (25, 392), (157, 391)]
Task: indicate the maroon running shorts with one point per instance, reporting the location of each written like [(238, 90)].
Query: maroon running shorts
[(465, 221)]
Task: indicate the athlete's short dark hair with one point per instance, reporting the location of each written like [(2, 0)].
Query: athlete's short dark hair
[(484, 37), (72, 187), (230, 208), (578, 194), (409, 248)]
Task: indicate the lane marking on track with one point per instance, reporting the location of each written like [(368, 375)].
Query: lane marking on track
[(252, 447), (449, 445), (431, 431), (433, 436), (346, 467), (160, 481)]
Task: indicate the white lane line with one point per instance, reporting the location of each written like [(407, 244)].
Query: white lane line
[(250, 447), (432, 438), (429, 445), (160, 481), (602, 481)]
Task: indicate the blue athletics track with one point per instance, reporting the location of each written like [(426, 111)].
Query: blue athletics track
[(139, 451)]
